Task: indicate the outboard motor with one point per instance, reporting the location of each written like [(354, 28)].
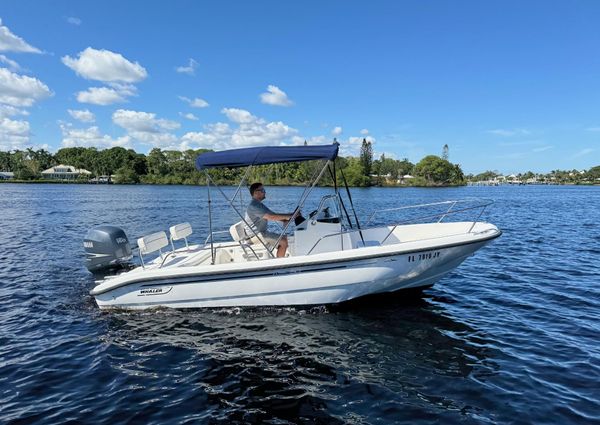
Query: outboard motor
[(106, 247)]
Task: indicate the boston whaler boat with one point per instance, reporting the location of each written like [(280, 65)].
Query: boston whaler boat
[(331, 258)]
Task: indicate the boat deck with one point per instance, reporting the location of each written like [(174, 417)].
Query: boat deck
[(234, 252)]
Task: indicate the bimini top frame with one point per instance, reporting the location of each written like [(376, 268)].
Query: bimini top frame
[(248, 157)]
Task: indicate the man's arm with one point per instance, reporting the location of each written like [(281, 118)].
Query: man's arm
[(267, 214), (270, 215), (278, 217)]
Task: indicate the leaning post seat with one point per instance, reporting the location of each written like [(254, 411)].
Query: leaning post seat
[(180, 231), (237, 232), (152, 243), (239, 235)]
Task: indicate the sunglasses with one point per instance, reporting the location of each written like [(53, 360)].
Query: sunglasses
[(261, 190)]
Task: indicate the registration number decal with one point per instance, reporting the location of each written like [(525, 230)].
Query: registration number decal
[(423, 256)]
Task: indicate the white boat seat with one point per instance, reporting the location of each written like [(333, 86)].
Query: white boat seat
[(238, 234), (152, 243), (180, 231)]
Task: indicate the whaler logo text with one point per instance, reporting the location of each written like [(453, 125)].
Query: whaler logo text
[(154, 291)]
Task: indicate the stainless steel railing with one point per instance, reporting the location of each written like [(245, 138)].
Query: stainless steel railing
[(483, 204)]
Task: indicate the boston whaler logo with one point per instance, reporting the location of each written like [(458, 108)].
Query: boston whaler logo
[(155, 291)]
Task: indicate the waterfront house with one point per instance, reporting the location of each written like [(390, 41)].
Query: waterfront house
[(513, 179), (64, 172), (405, 179), (6, 175)]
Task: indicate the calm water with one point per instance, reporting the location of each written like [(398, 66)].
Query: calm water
[(512, 336)]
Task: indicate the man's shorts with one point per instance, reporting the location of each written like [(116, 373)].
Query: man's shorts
[(269, 238)]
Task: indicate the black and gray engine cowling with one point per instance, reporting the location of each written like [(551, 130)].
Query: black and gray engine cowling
[(106, 247)]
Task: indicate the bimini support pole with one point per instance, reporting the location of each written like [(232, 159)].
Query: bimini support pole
[(230, 202), (352, 205), (212, 248), (303, 198), (309, 188), (246, 174), (338, 198)]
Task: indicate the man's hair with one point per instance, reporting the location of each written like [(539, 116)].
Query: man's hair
[(253, 187)]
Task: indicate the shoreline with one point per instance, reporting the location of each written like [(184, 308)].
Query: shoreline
[(404, 186)]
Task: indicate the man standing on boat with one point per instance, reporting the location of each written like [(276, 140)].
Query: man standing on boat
[(257, 215)]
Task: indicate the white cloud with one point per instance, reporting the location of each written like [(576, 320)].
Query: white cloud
[(82, 115), (21, 90), (315, 140), (199, 103), (190, 69), (11, 43), (247, 130), (263, 133), (12, 65), (509, 132), (106, 66), (359, 140), (90, 137), (364, 131), (337, 131), (275, 96), (217, 136), (250, 131), (352, 145), (515, 155), (142, 121), (11, 111), (73, 20), (238, 116), (17, 92), (195, 103), (124, 90), (542, 148), (100, 96), (189, 116), (13, 134), (163, 140), (535, 143), (582, 152), (146, 128)]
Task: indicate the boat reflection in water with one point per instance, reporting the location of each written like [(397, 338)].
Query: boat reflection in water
[(380, 357)]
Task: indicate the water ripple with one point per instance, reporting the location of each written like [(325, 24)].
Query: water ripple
[(509, 337)]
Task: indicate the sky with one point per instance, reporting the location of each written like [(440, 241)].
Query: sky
[(510, 86)]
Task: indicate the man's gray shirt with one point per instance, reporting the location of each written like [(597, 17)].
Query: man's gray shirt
[(254, 216)]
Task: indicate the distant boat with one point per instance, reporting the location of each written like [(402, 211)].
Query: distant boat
[(101, 180)]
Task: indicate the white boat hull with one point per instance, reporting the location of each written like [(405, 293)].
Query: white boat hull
[(303, 280)]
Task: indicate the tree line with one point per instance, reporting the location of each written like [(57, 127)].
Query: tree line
[(591, 176), (178, 167)]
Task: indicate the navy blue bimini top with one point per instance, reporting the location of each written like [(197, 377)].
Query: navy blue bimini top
[(265, 155)]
